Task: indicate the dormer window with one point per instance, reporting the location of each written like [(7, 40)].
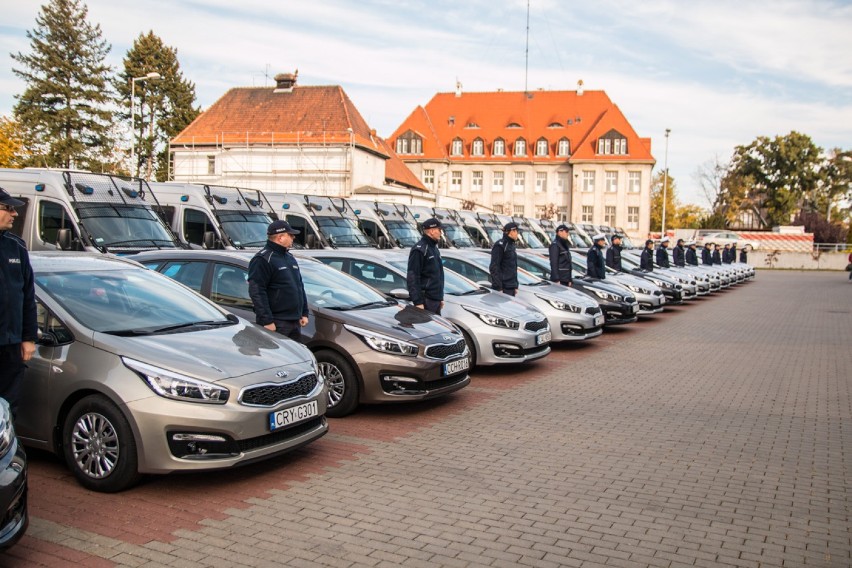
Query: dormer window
[(513, 125), (478, 147), (499, 148), (409, 143), (457, 148), (472, 124), (555, 125), (563, 147), (612, 143), (520, 147), (541, 147)]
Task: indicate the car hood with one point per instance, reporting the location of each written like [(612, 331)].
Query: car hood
[(213, 354), (400, 322), (561, 293), (495, 303)]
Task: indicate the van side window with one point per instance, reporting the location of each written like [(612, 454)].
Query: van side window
[(300, 225), (195, 224), (18, 221), (51, 218)]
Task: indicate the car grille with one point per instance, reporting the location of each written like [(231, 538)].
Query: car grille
[(593, 311), (630, 299), (443, 350), (278, 436), (272, 394), (536, 325)]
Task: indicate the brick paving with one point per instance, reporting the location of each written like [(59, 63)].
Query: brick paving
[(715, 434)]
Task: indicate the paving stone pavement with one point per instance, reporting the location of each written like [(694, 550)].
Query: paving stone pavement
[(715, 434)]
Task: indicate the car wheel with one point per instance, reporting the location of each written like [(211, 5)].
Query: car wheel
[(471, 346), (99, 446), (341, 382)]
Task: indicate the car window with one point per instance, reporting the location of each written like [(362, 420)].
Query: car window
[(532, 267), (465, 269), (376, 276), (188, 273), (230, 286), (49, 324), (335, 263)]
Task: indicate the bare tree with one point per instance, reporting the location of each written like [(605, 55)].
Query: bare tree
[(710, 176)]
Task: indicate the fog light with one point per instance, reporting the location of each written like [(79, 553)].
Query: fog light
[(200, 446), (402, 385), (508, 350)]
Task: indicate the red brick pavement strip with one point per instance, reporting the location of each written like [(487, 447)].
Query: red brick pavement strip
[(33, 552)]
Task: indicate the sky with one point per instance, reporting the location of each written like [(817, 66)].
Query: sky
[(717, 73)]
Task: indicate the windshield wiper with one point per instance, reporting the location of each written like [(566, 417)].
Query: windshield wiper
[(168, 328), (471, 292), (363, 306)]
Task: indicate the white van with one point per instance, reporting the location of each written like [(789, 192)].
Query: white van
[(85, 211)]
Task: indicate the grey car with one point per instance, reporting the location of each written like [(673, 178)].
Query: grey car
[(134, 373)]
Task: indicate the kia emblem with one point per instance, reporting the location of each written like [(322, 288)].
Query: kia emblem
[(281, 374)]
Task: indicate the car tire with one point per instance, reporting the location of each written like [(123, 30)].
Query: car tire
[(470, 345), (99, 446), (341, 381)]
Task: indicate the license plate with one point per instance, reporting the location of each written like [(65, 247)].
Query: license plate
[(634, 308), (456, 366), (543, 338), (289, 416), (599, 319)]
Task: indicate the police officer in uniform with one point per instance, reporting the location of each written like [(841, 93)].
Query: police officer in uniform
[(717, 255), (275, 284), (663, 253), (560, 258), (595, 263), (726, 254), (691, 254), (678, 254), (613, 254), (504, 261), (744, 257), (18, 327), (425, 276), (707, 254), (646, 259)]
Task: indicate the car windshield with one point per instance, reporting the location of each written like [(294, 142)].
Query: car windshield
[(329, 288), (342, 231), (403, 232), (124, 226), (454, 284), (128, 301), (245, 229)]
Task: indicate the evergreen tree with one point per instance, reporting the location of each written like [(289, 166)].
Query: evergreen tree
[(165, 106), (65, 109)]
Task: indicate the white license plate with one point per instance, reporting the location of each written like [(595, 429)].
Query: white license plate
[(456, 366), (543, 338), (634, 308), (292, 415), (599, 319)]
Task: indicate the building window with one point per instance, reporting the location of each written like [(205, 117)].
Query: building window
[(457, 148), (611, 182), (563, 148), (588, 180), (429, 178), (632, 217), (478, 148), (520, 147), (402, 146), (477, 181), (211, 165), (541, 147), (588, 213), (520, 182), (612, 143), (499, 147), (563, 182), (539, 211), (609, 215), (634, 182), (518, 210), (409, 143), (540, 182), (562, 213), (497, 182), (498, 208), (455, 181)]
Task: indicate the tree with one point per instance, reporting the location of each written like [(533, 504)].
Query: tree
[(64, 111), (838, 187), (11, 144), (166, 106), (657, 187)]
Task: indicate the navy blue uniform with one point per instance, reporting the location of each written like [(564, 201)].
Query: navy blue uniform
[(425, 276), (17, 314), (613, 257), (706, 256), (691, 257), (595, 264), (678, 256), (504, 266), (561, 267), (276, 289), (663, 257), (744, 257), (717, 257), (646, 260)]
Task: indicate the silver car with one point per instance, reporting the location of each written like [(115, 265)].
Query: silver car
[(135, 373), (497, 328)]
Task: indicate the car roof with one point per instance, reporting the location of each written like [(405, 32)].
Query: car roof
[(57, 261)]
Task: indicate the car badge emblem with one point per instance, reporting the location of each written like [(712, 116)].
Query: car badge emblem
[(281, 374), (447, 337)]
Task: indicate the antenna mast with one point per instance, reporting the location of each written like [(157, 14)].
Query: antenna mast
[(527, 51)]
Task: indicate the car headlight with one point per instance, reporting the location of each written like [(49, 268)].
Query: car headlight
[(661, 283), (7, 431), (173, 385), (384, 343), (639, 289), (494, 319), (607, 296), (560, 305)]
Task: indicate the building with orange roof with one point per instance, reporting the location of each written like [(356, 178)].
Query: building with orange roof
[(293, 139), (568, 155)]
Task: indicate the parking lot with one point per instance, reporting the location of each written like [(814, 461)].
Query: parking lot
[(717, 433)]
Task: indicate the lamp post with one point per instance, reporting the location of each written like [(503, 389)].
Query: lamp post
[(665, 185), (152, 76)]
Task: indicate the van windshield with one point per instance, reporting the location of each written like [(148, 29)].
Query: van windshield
[(341, 231), (458, 236), (245, 229), (403, 232), (124, 228)]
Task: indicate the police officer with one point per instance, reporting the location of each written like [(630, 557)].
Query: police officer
[(707, 254), (275, 284), (691, 254), (18, 328), (678, 254), (646, 259), (663, 253), (733, 252), (726, 254), (613, 254), (425, 276), (744, 256), (504, 261), (560, 258), (595, 263), (717, 255)]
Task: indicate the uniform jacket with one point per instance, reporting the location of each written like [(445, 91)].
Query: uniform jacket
[(595, 264), (691, 257), (706, 256), (17, 292), (275, 285), (744, 256), (678, 255), (560, 261), (425, 276), (504, 265), (727, 256), (717, 257), (663, 257), (646, 260), (613, 257)]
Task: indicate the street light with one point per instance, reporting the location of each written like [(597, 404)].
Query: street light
[(152, 76), (665, 185)]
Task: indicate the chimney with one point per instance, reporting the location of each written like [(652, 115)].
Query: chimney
[(580, 88), (458, 88), (284, 82)]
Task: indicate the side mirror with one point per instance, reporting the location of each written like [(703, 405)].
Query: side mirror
[(399, 294), (64, 239), (484, 284), (45, 338), (382, 242), (311, 241), (209, 240)]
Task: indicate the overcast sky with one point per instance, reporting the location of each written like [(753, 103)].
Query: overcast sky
[(718, 73)]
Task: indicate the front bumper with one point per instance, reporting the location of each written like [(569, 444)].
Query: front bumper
[(497, 346), (14, 517), (395, 378)]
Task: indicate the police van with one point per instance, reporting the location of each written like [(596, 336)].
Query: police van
[(85, 211), (322, 222)]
